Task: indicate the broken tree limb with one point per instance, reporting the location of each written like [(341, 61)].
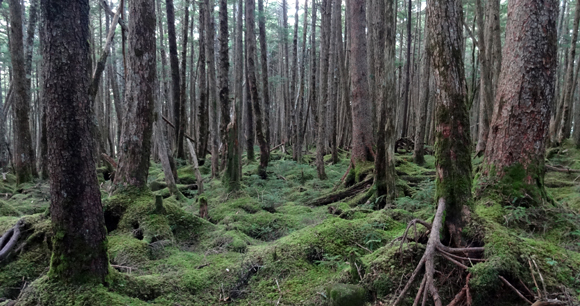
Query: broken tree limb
[(100, 67), (109, 160), (195, 167), (349, 192), (173, 126), (110, 13), (563, 170)]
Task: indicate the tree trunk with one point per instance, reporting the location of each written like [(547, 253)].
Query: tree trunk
[(213, 107), (264, 60), (407, 72), (139, 98), (300, 116), (79, 241), (362, 136), (321, 113), (334, 76), (419, 150), (203, 98), (485, 89), (251, 78), (385, 175), (183, 85), (521, 115), (24, 159), (569, 82), (453, 143), (175, 77)]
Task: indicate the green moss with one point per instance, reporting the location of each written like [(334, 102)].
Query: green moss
[(6, 210), (346, 295)]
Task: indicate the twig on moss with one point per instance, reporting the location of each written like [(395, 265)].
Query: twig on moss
[(362, 247), (541, 278), (534, 278)]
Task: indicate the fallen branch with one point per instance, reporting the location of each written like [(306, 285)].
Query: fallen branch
[(564, 170), (335, 197), (129, 269), (342, 179), (464, 293), (514, 289), (195, 167), (276, 147), (173, 126)]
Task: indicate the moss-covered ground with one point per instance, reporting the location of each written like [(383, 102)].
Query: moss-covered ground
[(264, 246)]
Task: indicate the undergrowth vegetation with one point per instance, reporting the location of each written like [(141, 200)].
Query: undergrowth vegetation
[(264, 246)]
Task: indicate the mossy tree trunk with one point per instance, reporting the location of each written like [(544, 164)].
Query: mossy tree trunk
[(362, 134), (521, 115), (453, 143), (253, 86), (24, 159), (202, 84), (139, 98), (79, 243)]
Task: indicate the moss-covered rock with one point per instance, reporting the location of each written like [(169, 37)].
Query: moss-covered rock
[(346, 295)]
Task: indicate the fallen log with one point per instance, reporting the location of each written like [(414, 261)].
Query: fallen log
[(563, 170), (349, 192)]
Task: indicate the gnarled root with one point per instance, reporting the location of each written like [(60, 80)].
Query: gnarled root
[(9, 239), (434, 245)]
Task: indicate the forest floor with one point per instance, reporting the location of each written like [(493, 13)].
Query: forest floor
[(265, 245)]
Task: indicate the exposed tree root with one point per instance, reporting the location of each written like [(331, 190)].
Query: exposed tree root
[(434, 245), (349, 192), (9, 239)]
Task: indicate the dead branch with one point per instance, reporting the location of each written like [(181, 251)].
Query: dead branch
[(173, 126), (464, 293), (342, 179), (514, 289), (110, 13), (335, 197), (563, 170), (195, 167), (109, 160), (276, 147)]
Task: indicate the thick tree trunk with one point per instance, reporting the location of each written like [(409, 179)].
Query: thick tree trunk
[(453, 143), (521, 115), (407, 71), (175, 82), (79, 241), (300, 116), (139, 98), (334, 76), (251, 78), (385, 175), (24, 159), (362, 136)]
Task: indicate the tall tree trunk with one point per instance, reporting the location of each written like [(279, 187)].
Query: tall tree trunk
[(362, 136), (203, 95), (79, 248), (24, 159), (136, 132), (407, 71), (264, 60), (175, 82), (384, 44), (334, 76), (453, 143), (312, 85), (183, 84), (519, 127), (251, 78), (485, 89), (569, 82), (321, 114), (213, 107), (293, 81), (418, 152), (300, 116)]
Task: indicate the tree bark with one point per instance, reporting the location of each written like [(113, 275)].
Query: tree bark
[(485, 89), (24, 159), (407, 71), (203, 97), (175, 77), (385, 175), (334, 76), (264, 60), (251, 78), (321, 113), (362, 136), (139, 97), (300, 116), (517, 141), (453, 143), (79, 241), (419, 150), (213, 107), (183, 85)]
